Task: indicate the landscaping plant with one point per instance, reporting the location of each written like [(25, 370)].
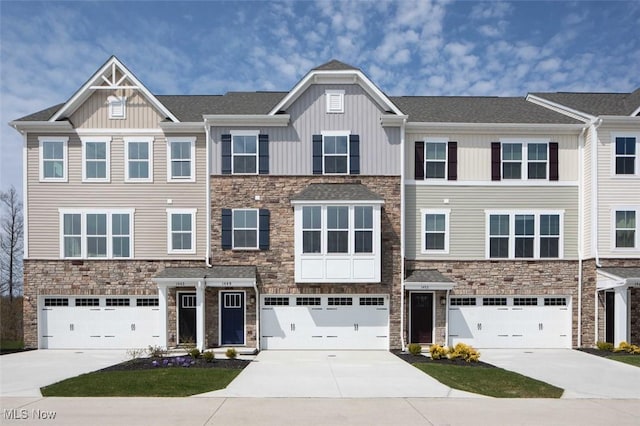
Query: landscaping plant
[(194, 353), (437, 351), (208, 356), (414, 349), (231, 353), (466, 352), (605, 346)]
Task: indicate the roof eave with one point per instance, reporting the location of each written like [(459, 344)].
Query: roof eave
[(512, 127), (181, 127), (262, 120), (562, 109), (40, 126), (332, 201)]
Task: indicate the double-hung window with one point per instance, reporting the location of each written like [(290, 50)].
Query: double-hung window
[(435, 160), (625, 155), (245, 229), (537, 158), (524, 235), (138, 159), (512, 161), (181, 154), (625, 225), (53, 158), (312, 229), (337, 229), (363, 234), (435, 231), (525, 160), (335, 150), (96, 159), (244, 152), (95, 233), (181, 231)]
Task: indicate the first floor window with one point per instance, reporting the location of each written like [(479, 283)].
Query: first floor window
[(72, 235), (181, 232), (311, 229), (97, 235), (499, 235), (549, 235), (524, 235), (245, 229), (121, 235), (91, 234), (435, 224), (337, 229), (625, 222)]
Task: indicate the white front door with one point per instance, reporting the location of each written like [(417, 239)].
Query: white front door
[(324, 322), (510, 322)]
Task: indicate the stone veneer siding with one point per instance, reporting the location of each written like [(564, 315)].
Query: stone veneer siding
[(91, 277), (276, 266), (511, 278)]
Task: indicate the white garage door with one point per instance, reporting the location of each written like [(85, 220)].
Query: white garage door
[(324, 322), (510, 322), (99, 322)]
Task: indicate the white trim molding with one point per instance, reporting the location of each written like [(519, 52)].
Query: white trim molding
[(192, 213), (107, 160), (65, 157), (138, 139), (182, 139), (447, 230)]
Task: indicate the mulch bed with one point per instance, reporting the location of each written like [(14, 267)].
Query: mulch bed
[(604, 354), (177, 362), (412, 359)]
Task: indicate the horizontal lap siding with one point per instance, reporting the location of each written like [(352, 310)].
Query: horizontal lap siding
[(148, 199), (474, 153), (467, 216)]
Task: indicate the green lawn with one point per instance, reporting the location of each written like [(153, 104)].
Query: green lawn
[(11, 345), (494, 382), (627, 359), (173, 381)]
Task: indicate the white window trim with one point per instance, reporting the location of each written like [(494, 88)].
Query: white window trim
[(83, 231), (255, 133), (346, 133), (447, 231), (111, 100), (331, 94), (100, 139), (192, 140), (524, 169), (445, 141), (65, 151), (635, 208), (191, 212), (512, 233), (138, 139), (615, 135), (233, 229)]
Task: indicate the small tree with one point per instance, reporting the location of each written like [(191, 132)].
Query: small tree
[(11, 243)]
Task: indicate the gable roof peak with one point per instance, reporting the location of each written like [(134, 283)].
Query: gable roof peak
[(335, 65)]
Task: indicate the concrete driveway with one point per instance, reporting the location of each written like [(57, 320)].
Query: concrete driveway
[(333, 374), (581, 375), (24, 373)]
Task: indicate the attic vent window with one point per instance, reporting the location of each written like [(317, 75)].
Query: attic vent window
[(335, 101), (117, 106)]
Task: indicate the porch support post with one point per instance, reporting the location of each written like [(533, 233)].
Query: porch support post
[(200, 315), (162, 305), (621, 321)]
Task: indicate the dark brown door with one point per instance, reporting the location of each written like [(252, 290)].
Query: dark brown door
[(609, 312), (421, 318)]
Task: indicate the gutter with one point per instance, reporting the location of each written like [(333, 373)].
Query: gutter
[(580, 228), (402, 212)]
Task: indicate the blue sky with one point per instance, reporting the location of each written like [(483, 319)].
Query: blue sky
[(49, 49)]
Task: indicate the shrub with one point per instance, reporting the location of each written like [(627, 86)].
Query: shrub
[(414, 349), (627, 347), (231, 353), (156, 351), (466, 352), (437, 351), (605, 346), (208, 356), (135, 353), (194, 353)]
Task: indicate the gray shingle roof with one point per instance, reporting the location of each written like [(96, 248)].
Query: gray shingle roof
[(623, 272), (248, 272), (426, 276), (474, 109), (596, 103), (336, 192), (43, 115), (335, 65), (193, 107)]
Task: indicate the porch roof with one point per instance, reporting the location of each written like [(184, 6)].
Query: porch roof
[(428, 279), (212, 275), (618, 277)]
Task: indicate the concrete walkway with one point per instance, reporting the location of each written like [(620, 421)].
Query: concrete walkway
[(322, 411), (334, 374), (24, 373), (581, 375)]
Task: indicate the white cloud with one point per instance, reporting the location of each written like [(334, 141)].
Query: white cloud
[(491, 9)]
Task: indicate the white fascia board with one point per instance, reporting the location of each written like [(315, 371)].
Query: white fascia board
[(336, 77), (257, 120), (336, 202), (620, 119), (579, 115), (40, 126), (514, 128), (428, 286), (392, 120), (85, 91), (182, 127), (636, 112)]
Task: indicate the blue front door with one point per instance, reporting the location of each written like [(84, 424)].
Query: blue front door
[(232, 318)]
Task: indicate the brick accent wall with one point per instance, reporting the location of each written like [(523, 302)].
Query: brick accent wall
[(276, 265)]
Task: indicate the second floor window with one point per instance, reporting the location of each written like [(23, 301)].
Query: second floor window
[(435, 160), (53, 159), (336, 154), (529, 159), (337, 229), (181, 159), (138, 159), (245, 153), (512, 161), (181, 238), (96, 159), (625, 155)]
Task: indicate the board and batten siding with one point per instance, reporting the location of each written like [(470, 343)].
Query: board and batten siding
[(467, 216), (614, 191), (94, 112), (587, 186), (474, 153), (149, 199), (290, 148)]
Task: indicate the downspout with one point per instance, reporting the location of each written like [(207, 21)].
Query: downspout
[(593, 129), (402, 212), (446, 319), (208, 195), (25, 204), (255, 288), (580, 228)]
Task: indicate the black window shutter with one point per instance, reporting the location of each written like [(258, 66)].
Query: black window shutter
[(226, 154), (263, 154), (495, 161), (553, 160), (227, 229), (419, 172), (317, 154), (354, 154), (263, 236), (452, 160)]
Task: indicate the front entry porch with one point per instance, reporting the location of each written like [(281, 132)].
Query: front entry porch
[(619, 291)]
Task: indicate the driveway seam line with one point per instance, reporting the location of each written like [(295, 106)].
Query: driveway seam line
[(418, 411), (334, 378), (215, 412)]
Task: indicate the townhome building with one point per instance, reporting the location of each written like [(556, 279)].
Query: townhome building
[(330, 216)]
